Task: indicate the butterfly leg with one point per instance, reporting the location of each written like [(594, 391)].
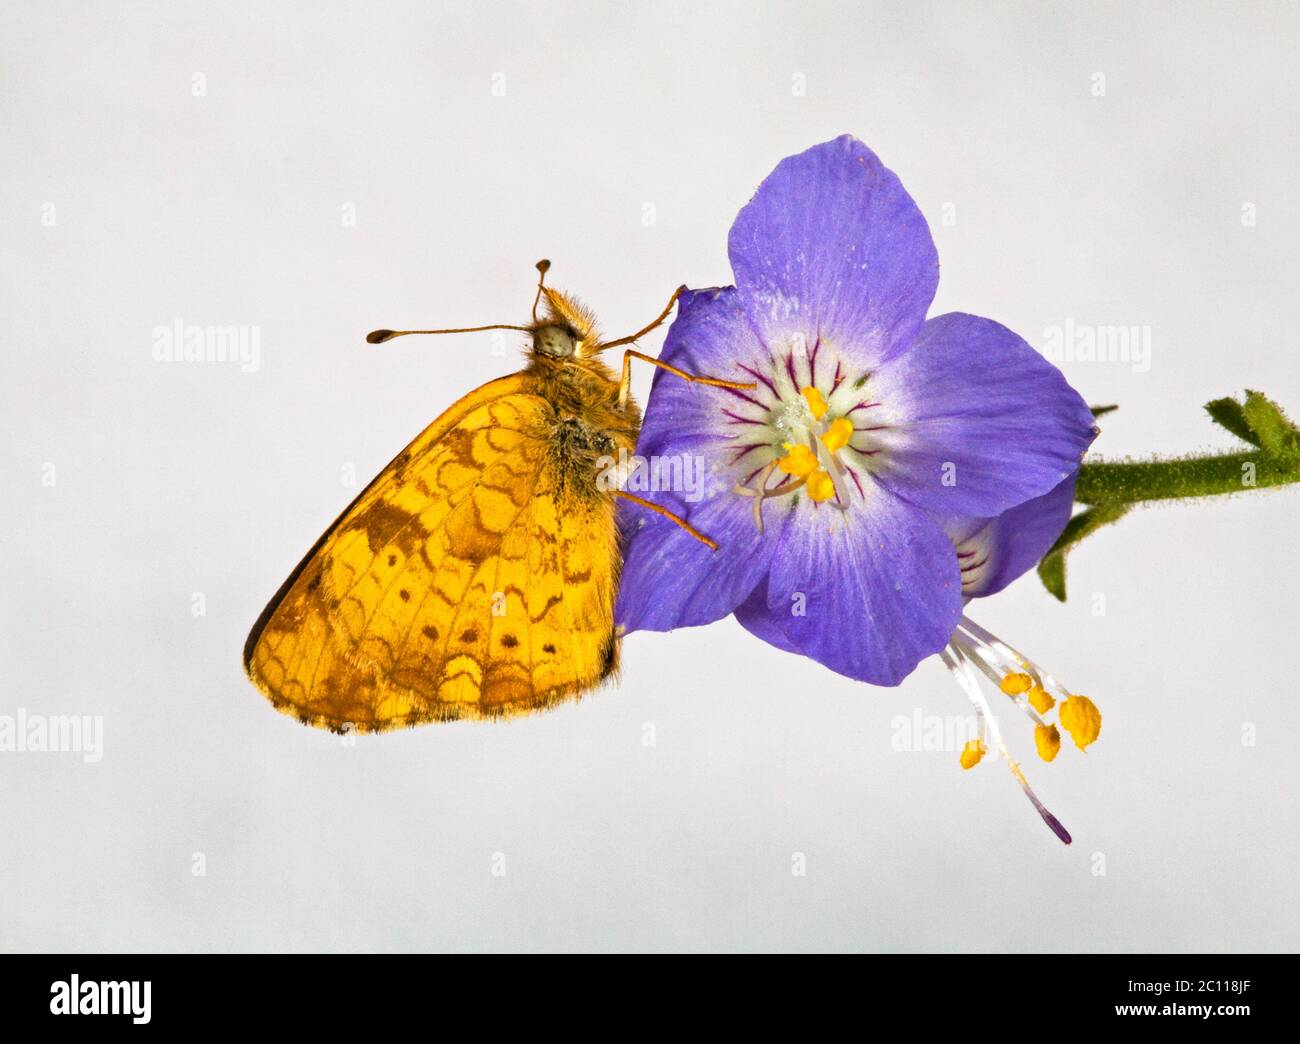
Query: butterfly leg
[(645, 329), (660, 510), (625, 385)]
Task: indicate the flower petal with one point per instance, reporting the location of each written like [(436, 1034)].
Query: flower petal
[(832, 245), (978, 421), (869, 593), (711, 337), (992, 552), (671, 580), (755, 617)]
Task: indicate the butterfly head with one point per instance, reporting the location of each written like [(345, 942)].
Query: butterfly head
[(567, 331), (555, 342)]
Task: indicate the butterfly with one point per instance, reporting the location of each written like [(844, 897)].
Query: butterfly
[(475, 577)]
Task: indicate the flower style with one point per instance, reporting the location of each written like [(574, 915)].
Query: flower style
[(874, 442)]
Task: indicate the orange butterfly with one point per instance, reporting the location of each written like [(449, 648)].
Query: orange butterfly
[(475, 577)]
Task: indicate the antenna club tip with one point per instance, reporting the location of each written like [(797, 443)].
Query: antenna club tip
[(543, 266), (378, 336)]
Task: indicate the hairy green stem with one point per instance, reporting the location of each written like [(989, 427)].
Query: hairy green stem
[(1105, 482), (1108, 488)]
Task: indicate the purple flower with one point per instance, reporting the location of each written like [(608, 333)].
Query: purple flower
[(873, 440)]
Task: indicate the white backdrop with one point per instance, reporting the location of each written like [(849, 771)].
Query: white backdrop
[(1092, 164)]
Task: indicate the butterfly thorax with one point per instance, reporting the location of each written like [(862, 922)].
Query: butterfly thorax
[(587, 424)]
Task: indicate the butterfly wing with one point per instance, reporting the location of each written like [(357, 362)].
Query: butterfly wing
[(473, 578)]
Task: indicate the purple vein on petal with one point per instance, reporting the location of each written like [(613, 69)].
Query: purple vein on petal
[(759, 377), (748, 398), (740, 420), (746, 449)]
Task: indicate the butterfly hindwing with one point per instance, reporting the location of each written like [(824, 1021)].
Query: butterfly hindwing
[(475, 577)]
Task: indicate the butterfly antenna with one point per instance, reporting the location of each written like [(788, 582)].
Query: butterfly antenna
[(380, 336), (543, 266)]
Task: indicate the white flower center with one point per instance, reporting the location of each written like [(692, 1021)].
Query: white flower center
[(810, 426)]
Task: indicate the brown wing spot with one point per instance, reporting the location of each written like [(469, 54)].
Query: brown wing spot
[(469, 636), (465, 532), (392, 560), (548, 648), (430, 632), (404, 595), (509, 641), (383, 523)]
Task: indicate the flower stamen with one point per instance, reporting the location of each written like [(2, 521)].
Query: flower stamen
[(1082, 720), (1047, 738), (960, 667), (816, 402), (821, 486), (811, 457), (837, 434), (798, 461), (1030, 688)]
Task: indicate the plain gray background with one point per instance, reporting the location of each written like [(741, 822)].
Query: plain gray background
[(619, 140)]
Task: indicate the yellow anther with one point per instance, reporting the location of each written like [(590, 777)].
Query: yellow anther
[(815, 402), (1017, 684), (1047, 738), (1040, 699), (972, 753), (820, 486), (837, 436), (1081, 719), (798, 461)]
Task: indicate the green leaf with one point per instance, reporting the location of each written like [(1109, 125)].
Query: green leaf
[(1051, 570), (1101, 411), (1228, 413), (1273, 429)]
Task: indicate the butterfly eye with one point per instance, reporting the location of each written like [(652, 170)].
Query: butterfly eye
[(554, 341)]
